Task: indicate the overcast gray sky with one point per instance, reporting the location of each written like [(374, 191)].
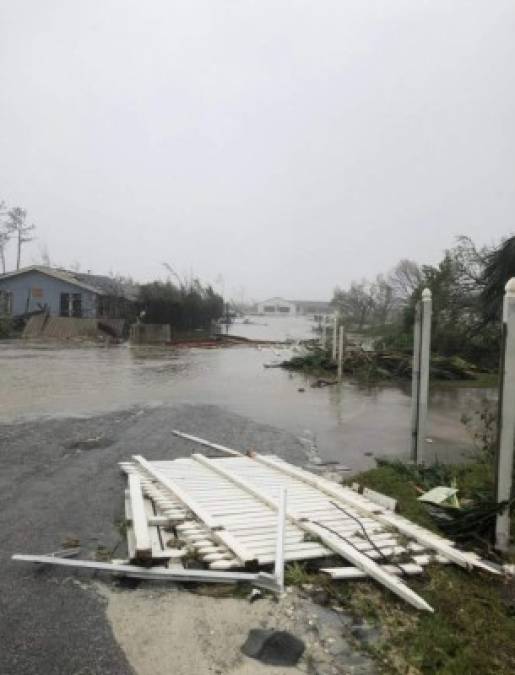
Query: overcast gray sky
[(287, 146)]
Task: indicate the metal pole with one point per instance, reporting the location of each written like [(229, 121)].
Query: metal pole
[(415, 381), (506, 432), (335, 335), (340, 353), (279, 544), (425, 356), (323, 339)]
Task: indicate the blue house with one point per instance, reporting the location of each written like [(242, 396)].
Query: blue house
[(59, 292)]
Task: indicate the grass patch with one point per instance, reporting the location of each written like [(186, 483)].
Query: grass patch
[(482, 380), (472, 630), (389, 480), (297, 574)]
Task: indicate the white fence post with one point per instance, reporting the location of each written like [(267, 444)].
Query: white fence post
[(340, 353), (415, 382), (420, 376), (425, 358), (506, 432), (335, 335)]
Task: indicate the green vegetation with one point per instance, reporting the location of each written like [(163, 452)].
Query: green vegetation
[(381, 366), (467, 288), (315, 361), (185, 306), (473, 627), (472, 630)]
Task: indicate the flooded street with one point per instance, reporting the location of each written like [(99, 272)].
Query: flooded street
[(347, 422)]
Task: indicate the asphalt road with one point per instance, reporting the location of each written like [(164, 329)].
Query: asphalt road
[(59, 481)]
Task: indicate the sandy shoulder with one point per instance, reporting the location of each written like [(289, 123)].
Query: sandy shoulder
[(182, 633)]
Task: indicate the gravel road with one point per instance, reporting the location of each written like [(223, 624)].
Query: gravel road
[(59, 481)]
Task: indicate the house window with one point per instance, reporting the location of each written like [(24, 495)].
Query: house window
[(269, 308), (64, 307), (77, 305), (284, 310), (37, 293), (71, 305), (6, 303)]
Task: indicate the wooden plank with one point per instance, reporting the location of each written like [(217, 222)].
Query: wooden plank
[(232, 543), (355, 573), (291, 556), (327, 487), (368, 567), (139, 519), (178, 492), (219, 534), (334, 543), (156, 573), (131, 543), (403, 525), (379, 498), (280, 541), (158, 520), (207, 444)]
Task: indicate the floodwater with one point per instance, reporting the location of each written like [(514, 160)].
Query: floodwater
[(347, 423)]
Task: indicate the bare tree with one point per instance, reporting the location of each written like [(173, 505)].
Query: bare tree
[(383, 299), (17, 225), (355, 305), (4, 234), (173, 273), (405, 278)]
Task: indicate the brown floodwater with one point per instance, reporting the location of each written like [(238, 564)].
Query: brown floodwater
[(345, 422)]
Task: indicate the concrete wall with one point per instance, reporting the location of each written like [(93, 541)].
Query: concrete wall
[(150, 333), (32, 290)]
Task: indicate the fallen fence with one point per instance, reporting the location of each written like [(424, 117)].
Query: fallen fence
[(256, 512)]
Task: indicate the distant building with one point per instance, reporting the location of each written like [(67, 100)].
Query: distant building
[(59, 292), (281, 307)]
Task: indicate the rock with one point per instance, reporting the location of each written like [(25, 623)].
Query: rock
[(273, 647), (321, 597), (366, 634), (254, 595), (359, 664), (337, 645)]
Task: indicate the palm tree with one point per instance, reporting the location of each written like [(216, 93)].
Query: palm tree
[(499, 268)]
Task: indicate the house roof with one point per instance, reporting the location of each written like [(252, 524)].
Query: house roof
[(96, 283), (302, 303)]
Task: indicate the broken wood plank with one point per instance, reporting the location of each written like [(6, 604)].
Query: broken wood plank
[(143, 544), (156, 573), (348, 497), (207, 444), (379, 498), (336, 544), (355, 573)]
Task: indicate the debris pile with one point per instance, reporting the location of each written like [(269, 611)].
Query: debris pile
[(241, 518)]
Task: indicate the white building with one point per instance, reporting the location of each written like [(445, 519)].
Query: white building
[(282, 307)]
